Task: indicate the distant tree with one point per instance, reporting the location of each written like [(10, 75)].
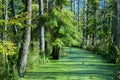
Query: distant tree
[(115, 37), (71, 4), (95, 3), (85, 36), (74, 3), (116, 23), (78, 10)]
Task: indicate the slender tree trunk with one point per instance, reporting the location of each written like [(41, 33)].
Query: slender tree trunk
[(5, 17), (11, 63), (116, 22), (4, 35), (42, 38), (13, 14), (83, 31), (94, 27), (86, 22), (22, 58), (85, 35), (47, 52), (47, 5), (78, 10), (79, 16), (15, 30), (104, 16), (71, 5), (75, 9)]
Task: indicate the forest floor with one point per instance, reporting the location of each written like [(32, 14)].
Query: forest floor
[(77, 65)]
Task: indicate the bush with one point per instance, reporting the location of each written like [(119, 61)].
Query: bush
[(34, 59)]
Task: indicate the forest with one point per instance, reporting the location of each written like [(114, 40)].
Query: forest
[(36, 33)]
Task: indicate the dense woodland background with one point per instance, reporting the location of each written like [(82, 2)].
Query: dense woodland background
[(32, 32)]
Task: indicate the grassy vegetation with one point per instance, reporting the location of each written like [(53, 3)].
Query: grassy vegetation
[(77, 65)]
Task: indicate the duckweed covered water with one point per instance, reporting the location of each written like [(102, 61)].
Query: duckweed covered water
[(77, 65)]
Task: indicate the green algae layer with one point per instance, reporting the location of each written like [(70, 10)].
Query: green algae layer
[(79, 64)]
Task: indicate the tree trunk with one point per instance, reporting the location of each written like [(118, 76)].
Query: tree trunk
[(94, 27), (47, 52), (78, 10), (4, 35), (71, 5), (85, 34), (46, 1), (78, 14), (55, 53), (5, 17), (75, 9), (42, 38), (13, 14), (116, 29), (116, 23), (22, 58), (15, 30)]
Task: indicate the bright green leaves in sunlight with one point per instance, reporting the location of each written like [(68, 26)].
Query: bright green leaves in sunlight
[(1, 22), (57, 17), (19, 20), (35, 7), (64, 17), (7, 47), (58, 42), (61, 22), (62, 27), (1, 7)]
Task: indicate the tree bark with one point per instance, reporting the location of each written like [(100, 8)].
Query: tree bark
[(75, 9), (78, 10), (94, 27), (42, 36), (22, 58), (85, 35), (47, 5), (71, 5), (115, 30), (13, 14), (55, 53), (5, 17), (47, 52), (4, 35), (116, 23)]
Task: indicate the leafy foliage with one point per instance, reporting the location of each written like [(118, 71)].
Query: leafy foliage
[(61, 26), (7, 47)]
